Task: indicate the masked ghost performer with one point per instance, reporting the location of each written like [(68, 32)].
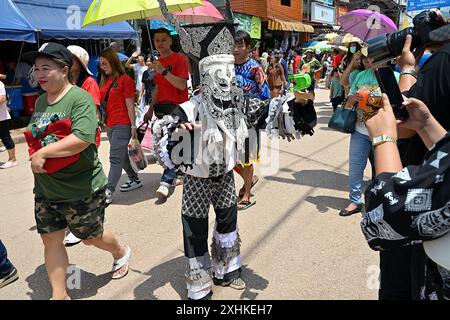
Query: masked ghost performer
[(207, 154)]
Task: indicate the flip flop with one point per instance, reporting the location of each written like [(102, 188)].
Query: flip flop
[(245, 205), (255, 180), (118, 264)]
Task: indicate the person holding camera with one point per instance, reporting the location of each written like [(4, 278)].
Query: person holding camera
[(172, 74), (403, 267), (364, 86), (406, 206)]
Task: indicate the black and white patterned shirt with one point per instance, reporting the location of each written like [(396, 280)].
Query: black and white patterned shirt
[(412, 206)]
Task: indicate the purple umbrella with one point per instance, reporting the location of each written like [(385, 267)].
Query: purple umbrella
[(366, 24)]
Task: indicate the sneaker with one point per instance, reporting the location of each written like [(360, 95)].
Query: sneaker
[(2, 149), (8, 277), (70, 240), (130, 185), (237, 283), (8, 164), (109, 197), (162, 192)]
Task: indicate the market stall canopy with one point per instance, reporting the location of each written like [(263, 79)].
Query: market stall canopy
[(61, 19), (277, 24), (13, 25)]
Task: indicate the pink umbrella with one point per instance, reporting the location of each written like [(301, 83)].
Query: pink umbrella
[(366, 24), (207, 13)]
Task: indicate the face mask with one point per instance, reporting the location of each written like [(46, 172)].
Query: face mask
[(352, 49)]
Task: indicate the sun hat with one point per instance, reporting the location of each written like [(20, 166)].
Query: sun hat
[(82, 56)]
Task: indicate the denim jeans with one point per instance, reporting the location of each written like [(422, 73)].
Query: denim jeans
[(5, 264), (360, 146), (168, 177)]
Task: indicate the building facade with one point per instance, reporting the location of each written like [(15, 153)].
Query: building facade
[(281, 21)]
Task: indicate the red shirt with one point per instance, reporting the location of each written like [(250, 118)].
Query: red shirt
[(117, 109), (166, 91), (91, 86), (295, 64), (337, 60)]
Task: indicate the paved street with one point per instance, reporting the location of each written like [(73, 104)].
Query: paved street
[(294, 243)]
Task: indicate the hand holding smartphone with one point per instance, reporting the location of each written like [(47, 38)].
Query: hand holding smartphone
[(388, 85)]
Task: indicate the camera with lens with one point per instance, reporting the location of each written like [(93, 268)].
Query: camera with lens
[(385, 47)]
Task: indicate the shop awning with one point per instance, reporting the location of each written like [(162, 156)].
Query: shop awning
[(277, 24), (62, 19), (13, 25)]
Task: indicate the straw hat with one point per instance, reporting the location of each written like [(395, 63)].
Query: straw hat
[(82, 56), (345, 39)]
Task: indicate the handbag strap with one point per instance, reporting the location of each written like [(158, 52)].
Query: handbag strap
[(142, 125), (344, 102), (113, 85)]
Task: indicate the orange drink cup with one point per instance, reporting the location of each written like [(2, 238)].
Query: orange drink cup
[(365, 96)]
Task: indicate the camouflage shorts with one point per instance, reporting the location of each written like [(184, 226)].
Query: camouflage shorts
[(84, 218)]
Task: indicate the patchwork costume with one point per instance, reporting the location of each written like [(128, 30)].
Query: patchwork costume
[(207, 155)]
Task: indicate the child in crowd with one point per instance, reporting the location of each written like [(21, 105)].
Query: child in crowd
[(336, 89)]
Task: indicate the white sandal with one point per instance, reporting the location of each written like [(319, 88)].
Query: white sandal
[(119, 263)]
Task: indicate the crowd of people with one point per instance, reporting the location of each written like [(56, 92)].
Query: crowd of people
[(70, 200)]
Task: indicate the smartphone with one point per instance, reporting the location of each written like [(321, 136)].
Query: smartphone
[(388, 85)]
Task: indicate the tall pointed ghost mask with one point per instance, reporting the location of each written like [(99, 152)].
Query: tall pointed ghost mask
[(211, 46)]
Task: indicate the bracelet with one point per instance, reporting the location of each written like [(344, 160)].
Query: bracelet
[(410, 72), (133, 127)]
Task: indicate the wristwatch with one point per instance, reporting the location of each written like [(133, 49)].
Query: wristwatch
[(409, 71), (166, 70), (382, 139)]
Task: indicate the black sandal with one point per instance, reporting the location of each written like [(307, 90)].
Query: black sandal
[(255, 180)]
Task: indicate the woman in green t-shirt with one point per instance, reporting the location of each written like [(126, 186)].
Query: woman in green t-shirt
[(310, 65), (73, 196)]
